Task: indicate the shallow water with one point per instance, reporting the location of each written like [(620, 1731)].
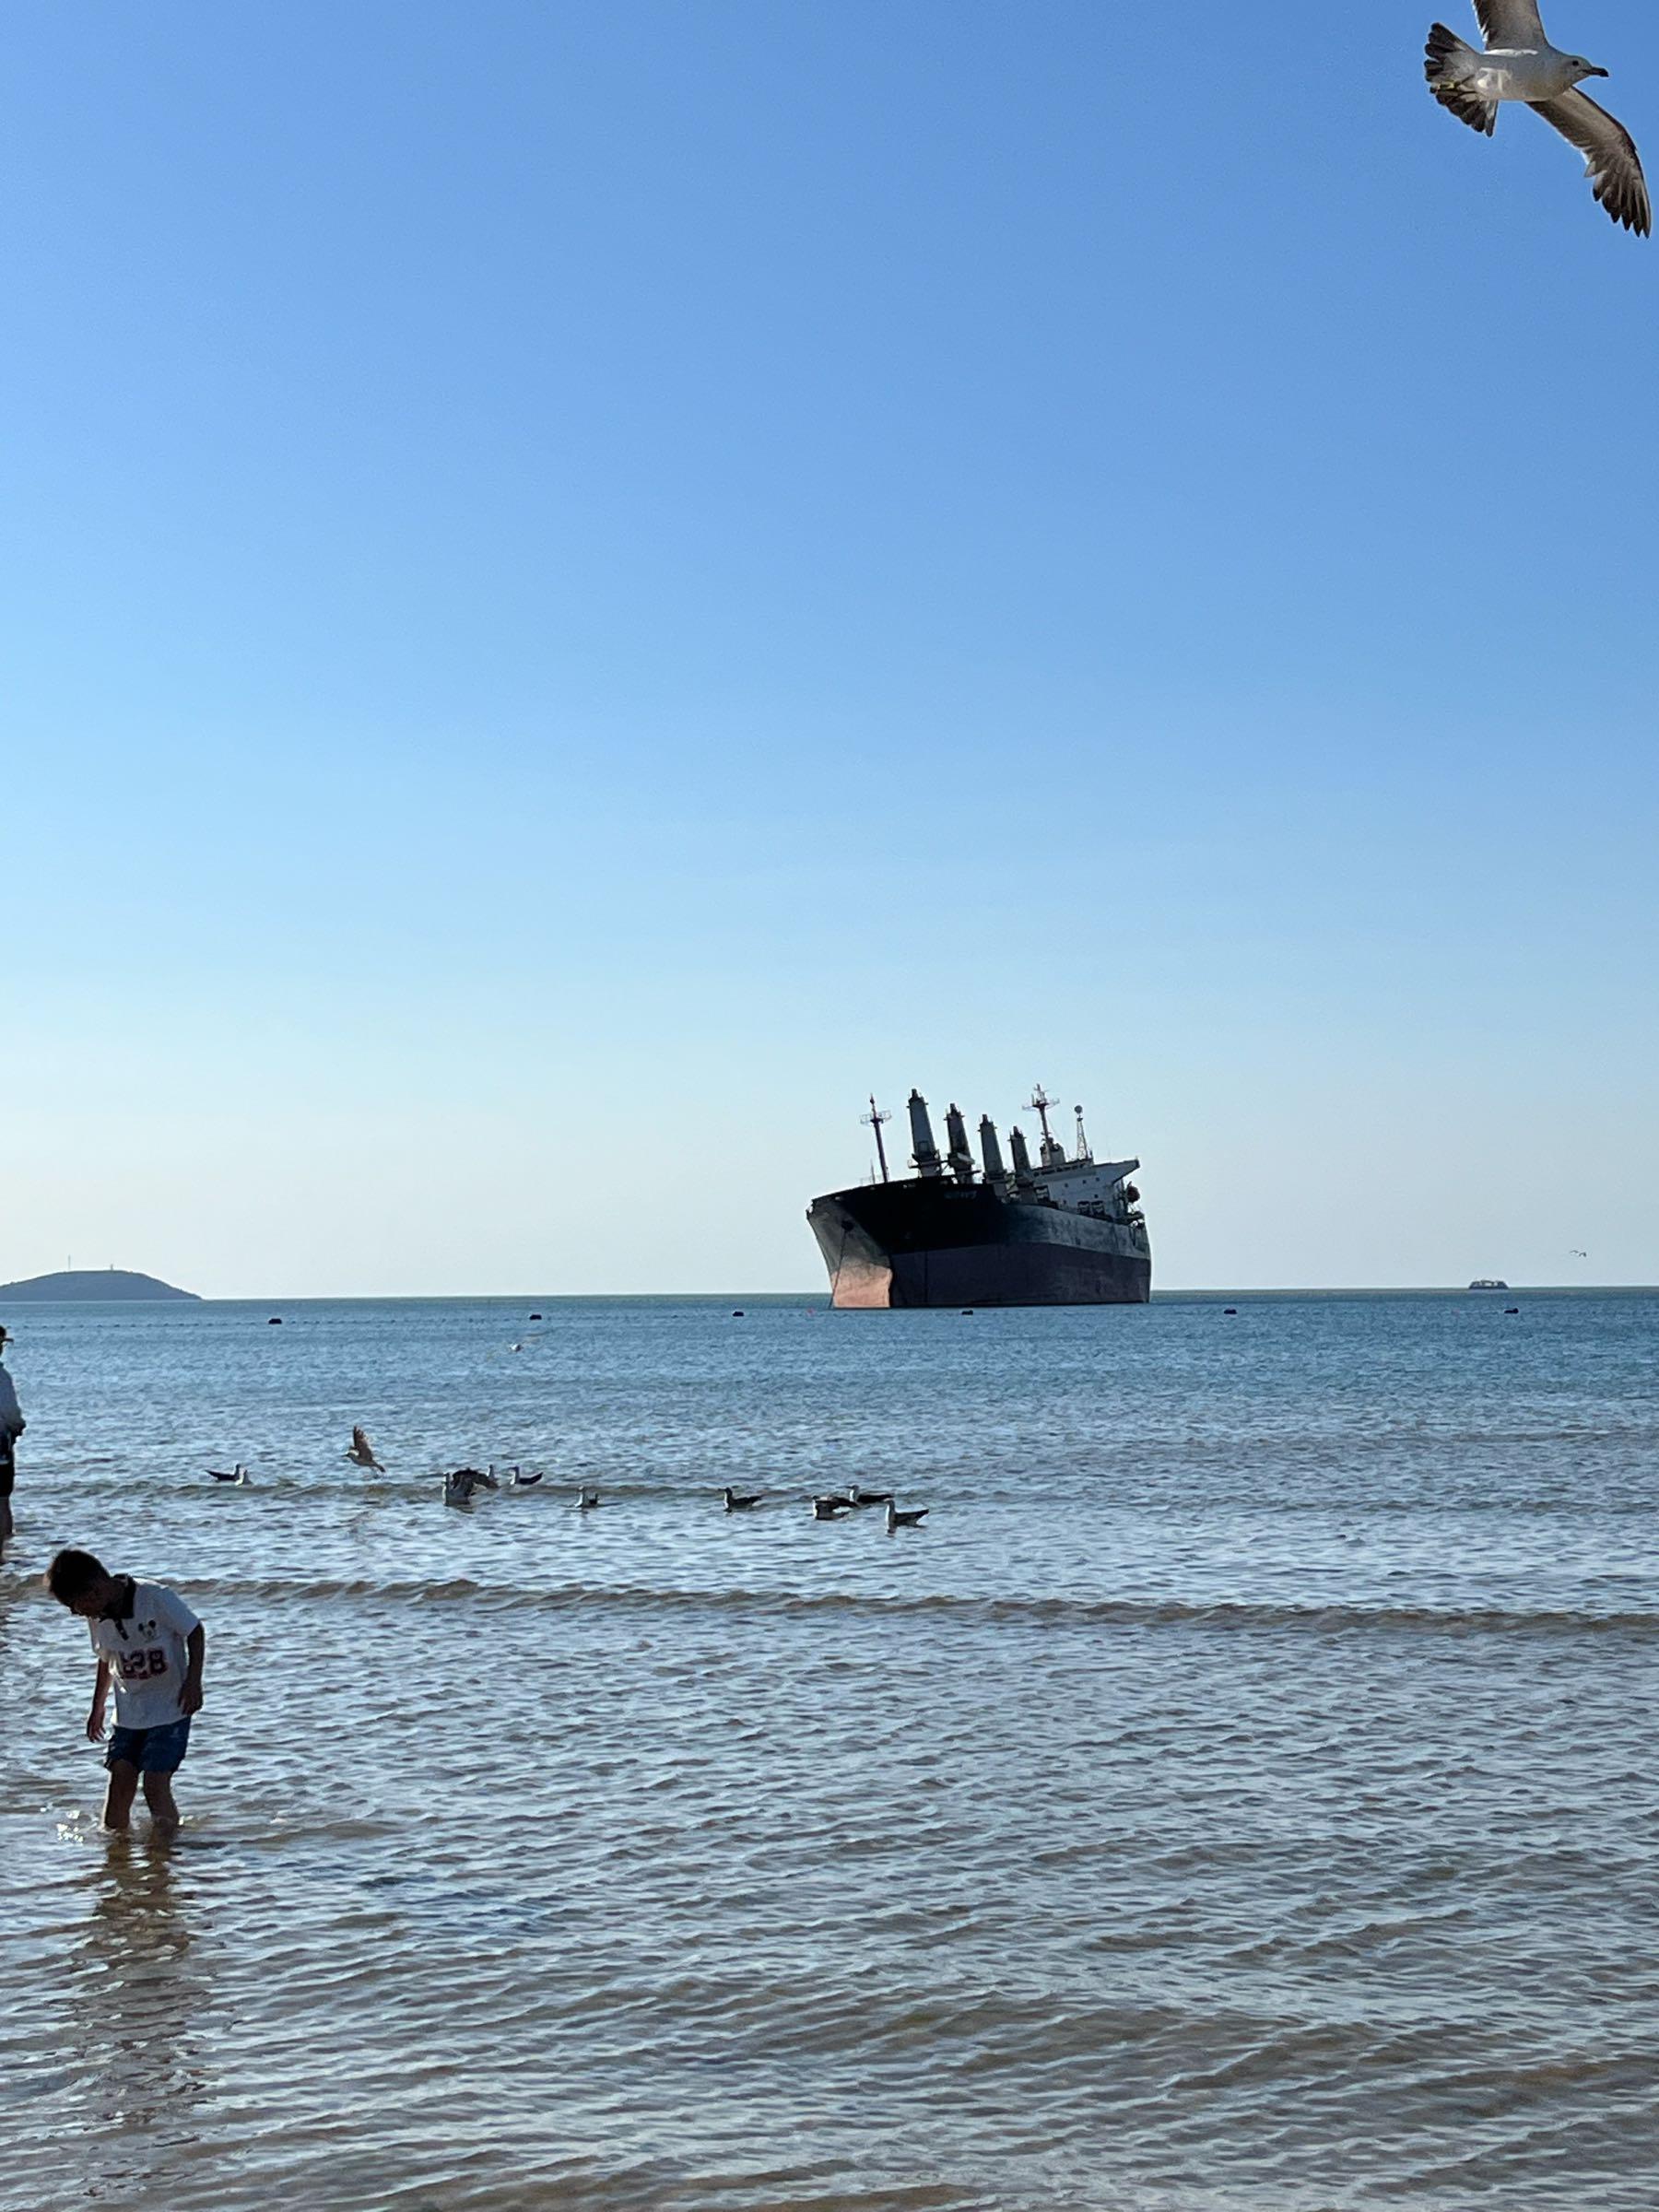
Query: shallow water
[(1236, 1795)]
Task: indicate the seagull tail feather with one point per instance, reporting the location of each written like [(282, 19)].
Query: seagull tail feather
[(1445, 66)]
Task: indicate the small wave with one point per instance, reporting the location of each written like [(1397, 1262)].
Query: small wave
[(1064, 1612)]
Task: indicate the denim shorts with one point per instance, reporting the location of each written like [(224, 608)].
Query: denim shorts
[(152, 1750)]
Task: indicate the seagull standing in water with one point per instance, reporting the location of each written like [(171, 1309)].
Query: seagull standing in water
[(1520, 63)]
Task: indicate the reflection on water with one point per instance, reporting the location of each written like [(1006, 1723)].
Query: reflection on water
[(135, 2001)]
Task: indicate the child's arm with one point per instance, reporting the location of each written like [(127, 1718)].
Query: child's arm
[(190, 1696), (100, 1690)]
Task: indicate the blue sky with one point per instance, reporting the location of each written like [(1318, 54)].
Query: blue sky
[(584, 585)]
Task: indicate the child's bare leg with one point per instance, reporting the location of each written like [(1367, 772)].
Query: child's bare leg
[(118, 1797), (159, 1796)]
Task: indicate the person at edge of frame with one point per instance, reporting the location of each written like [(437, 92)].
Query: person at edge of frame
[(12, 1426)]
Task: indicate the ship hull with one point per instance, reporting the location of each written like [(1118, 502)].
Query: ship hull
[(938, 1243)]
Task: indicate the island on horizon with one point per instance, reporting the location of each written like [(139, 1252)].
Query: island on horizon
[(71, 1284)]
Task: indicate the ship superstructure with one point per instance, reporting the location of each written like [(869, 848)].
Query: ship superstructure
[(1057, 1231)]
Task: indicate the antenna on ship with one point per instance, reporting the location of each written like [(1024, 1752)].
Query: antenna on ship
[(1083, 1150), (1052, 1154), (873, 1120)]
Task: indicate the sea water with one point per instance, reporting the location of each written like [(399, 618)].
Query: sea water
[(1239, 1793)]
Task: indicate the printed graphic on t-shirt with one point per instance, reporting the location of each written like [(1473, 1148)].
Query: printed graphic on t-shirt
[(146, 1656)]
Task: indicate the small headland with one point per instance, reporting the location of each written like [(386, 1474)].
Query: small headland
[(87, 1285)]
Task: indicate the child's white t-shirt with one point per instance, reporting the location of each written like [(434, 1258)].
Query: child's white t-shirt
[(146, 1656)]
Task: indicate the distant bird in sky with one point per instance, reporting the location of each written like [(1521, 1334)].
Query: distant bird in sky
[(1519, 65), (361, 1452), (1578, 1254), (237, 1474), (910, 1517)]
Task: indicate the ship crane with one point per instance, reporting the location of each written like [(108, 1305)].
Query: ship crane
[(925, 1153), (962, 1159), (996, 1175), (1023, 1179)]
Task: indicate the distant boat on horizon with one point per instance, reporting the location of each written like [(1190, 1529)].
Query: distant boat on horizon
[(1488, 1282)]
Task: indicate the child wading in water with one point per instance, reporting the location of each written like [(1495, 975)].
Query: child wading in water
[(149, 1643)]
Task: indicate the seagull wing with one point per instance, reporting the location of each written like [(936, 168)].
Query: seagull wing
[(1610, 157), (1510, 23)]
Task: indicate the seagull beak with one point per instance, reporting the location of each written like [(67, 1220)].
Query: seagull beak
[(1601, 72)]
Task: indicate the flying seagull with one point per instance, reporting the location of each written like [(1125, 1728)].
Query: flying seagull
[(361, 1452), (1520, 63)]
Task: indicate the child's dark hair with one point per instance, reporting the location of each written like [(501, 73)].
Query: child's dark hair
[(72, 1574)]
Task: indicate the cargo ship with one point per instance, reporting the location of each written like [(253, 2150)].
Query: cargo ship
[(1062, 1231)]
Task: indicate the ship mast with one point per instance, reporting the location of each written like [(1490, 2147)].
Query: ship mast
[(873, 1120), (1052, 1155)]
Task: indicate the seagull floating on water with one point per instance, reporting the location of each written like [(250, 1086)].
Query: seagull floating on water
[(912, 1517), (237, 1474), (1520, 63), (737, 1501), (857, 1497), (361, 1453), (587, 1498), (831, 1509)]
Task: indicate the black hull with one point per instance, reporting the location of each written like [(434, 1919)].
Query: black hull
[(938, 1243)]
